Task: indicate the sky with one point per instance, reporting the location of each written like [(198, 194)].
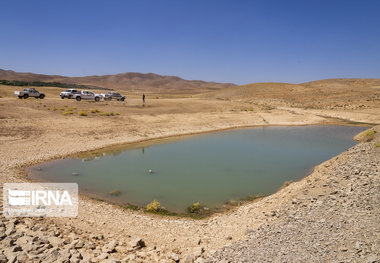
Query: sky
[(234, 41)]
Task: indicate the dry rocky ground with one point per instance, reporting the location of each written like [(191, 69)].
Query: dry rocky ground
[(332, 215)]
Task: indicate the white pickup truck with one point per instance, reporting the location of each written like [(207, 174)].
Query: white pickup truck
[(29, 92), (86, 95), (68, 93)]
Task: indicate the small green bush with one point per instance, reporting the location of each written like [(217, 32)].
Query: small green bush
[(104, 113), (68, 112), (94, 110), (377, 144), (153, 207), (82, 113), (194, 208), (54, 108)]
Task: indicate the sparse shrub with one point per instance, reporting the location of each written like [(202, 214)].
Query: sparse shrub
[(194, 208), (267, 107), (65, 106), (82, 113), (115, 193), (48, 108), (104, 113), (72, 108), (117, 114), (62, 109), (367, 135), (94, 110), (54, 108), (68, 112), (130, 206), (377, 144), (251, 109), (154, 207)]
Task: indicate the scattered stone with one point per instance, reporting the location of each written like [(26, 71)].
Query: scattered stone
[(137, 243)]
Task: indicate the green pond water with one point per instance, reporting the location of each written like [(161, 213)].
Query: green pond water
[(211, 168)]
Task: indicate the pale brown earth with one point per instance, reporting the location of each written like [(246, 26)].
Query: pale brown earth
[(31, 131)]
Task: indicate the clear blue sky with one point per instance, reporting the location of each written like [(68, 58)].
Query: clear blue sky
[(227, 41)]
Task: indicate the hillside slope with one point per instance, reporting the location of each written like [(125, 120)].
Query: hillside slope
[(126, 81), (326, 94)]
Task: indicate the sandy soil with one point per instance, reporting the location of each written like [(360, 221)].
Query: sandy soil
[(33, 131)]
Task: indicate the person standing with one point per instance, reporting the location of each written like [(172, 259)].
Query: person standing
[(143, 98)]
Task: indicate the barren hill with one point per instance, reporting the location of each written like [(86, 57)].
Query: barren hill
[(126, 81), (327, 93)]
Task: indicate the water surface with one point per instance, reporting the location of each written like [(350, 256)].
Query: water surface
[(211, 168)]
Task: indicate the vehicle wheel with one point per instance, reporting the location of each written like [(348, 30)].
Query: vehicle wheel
[(110, 99), (122, 99), (62, 97), (78, 98), (97, 99), (26, 96), (20, 97), (42, 96)]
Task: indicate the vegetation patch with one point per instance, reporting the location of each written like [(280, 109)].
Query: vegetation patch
[(267, 107), (367, 136), (48, 84), (82, 113), (377, 145), (194, 208), (94, 110), (156, 208), (68, 112), (115, 193), (130, 207), (104, 113)]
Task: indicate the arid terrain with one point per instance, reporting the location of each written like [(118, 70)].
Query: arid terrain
[(34, 130)]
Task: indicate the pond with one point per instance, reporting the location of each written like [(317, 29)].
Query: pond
[(211, 168)]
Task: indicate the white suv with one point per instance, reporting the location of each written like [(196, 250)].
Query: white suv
[(86, 95)]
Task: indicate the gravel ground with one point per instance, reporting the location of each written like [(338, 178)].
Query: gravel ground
[(342, 224)]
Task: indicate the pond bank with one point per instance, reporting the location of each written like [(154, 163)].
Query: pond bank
[(99, 224)]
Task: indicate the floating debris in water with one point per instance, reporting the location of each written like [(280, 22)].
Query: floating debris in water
[(75, 174), (115, 193), (150, 171)]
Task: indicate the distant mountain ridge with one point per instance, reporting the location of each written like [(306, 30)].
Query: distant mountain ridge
[(130, 81)]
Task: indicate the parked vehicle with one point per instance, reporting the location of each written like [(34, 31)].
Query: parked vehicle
[(68, 93), (29, 92), (86, 95), (113, 95)]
